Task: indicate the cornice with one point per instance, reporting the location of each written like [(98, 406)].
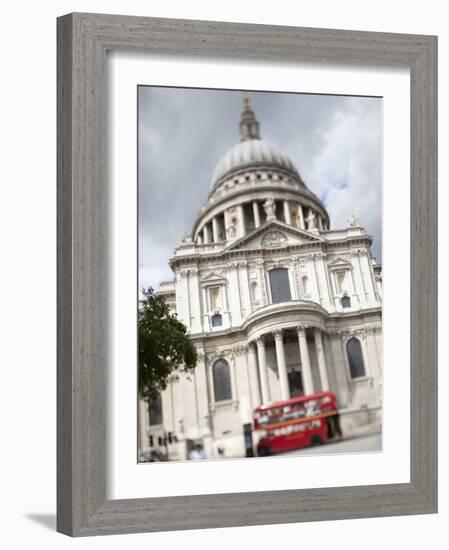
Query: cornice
[(249, 253)]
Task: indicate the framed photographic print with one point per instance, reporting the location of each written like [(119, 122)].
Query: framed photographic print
[(246, 274)]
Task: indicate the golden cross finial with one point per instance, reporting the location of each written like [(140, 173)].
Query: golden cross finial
[(246, 101)]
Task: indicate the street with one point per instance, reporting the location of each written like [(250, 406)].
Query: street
[(361, 444)]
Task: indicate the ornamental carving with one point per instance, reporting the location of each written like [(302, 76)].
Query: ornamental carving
[(280, 263), (239, 349), (278, 334), (201, 355), (302, 329), (273, 239), (218, 354), (251, 347)]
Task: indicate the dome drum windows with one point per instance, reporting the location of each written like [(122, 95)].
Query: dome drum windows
[(248, 215), (213, 231)]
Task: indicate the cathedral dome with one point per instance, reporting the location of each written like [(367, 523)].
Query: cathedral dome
[(252, 152), (253, 184)]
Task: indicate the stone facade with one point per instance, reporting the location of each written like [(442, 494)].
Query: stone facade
[(284, 304)]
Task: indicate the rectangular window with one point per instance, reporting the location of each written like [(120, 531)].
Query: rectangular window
[(280, 285), (217, 320), (155, 411)]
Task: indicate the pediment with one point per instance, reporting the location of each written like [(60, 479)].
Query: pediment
[(212, 277), (339, 263), (274, 235)]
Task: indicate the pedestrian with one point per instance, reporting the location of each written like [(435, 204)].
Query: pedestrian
[(197, 453)]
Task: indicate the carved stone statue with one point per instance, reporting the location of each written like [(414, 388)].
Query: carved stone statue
[(231, 231), (270, 209), (311, 220), (186, 239), (353, 221)]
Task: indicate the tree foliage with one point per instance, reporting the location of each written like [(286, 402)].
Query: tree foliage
[(164, 346)]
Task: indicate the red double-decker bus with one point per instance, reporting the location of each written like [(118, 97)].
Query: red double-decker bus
[(298, 422)]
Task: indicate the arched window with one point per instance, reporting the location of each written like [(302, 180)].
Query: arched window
[(355, 358), (222, 380), (155, 411), (280, 285)]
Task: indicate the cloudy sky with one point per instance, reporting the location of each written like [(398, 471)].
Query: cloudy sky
[(334, 141)]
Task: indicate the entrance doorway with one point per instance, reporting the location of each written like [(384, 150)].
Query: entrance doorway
[(295, 383)]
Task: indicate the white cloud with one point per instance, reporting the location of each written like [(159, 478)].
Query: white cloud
[(347, 171)]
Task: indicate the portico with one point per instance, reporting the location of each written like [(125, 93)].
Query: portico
[(304, 335)]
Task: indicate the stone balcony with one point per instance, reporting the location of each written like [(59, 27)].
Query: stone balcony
[(284, 315)]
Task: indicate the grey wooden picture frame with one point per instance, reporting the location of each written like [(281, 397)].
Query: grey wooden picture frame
[(83, 41)]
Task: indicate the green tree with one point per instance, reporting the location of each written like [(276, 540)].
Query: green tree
[(164, 346)]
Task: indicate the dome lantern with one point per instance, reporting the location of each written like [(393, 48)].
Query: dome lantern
[(249, 127)]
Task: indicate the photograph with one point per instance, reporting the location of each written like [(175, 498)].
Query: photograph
[(259, 304)]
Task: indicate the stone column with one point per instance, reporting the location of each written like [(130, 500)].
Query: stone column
[(282, 367), (355, 254), (253, 376), (241, 216), (287, 217), (244, 285), (195, 303), (378, 279), (206, 234), (263, 372), (302, 223), (324, 278), (234, 294), (256, 214), (367, 267), (306, 370), (215, 230), (143, 425), (321, 359)]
